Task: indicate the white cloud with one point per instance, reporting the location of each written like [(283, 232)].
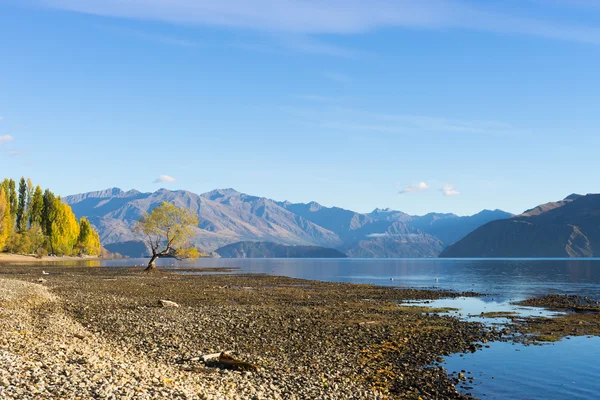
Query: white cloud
[(6, 139), (347, 16), (449, 190), (416, 188), (165, 179), (15, 153)]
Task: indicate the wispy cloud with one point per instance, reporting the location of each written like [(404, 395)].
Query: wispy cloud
[(449, 190), (165, 179), (316, 98), (6, 139), (296, 43), (442, 124), (348, 16), (352, 119), (337, 77), (16, 153), (151, 37), (311, 45), (415, 188)]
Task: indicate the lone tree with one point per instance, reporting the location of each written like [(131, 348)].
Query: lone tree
[(167, 230)]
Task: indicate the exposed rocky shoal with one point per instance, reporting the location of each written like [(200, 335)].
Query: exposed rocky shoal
[(93, 333)]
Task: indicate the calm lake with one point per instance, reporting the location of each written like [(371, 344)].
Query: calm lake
[(568, 369)]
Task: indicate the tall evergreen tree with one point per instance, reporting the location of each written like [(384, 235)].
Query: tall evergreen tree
[(37, 207), (21, 218), (49, 203)]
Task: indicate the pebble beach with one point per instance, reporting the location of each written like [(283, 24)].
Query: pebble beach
[(85, 332)]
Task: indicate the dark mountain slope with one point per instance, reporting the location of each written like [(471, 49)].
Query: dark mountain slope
[(569, 228), (450, 228), (398, 240), (274, 250)]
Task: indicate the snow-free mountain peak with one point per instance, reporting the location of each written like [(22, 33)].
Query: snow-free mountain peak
[(228, 216)]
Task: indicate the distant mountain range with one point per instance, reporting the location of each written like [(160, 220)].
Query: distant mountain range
[(227, 216), (566, 228), (274, 250)]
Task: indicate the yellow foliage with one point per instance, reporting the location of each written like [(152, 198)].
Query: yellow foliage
[(188, 252), (65, 229), (89, 240), (5, 219), (167, 229)]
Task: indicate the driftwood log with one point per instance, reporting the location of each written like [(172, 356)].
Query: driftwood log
[(228, 361), (219, 359)]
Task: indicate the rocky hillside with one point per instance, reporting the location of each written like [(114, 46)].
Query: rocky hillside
[(274, 250), (227, 216), (566, 228)]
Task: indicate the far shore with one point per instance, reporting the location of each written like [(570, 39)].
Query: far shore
[(18, 258)]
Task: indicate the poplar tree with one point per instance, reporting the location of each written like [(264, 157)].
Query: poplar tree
[(65, 229), (12, 199), (5, 185), (40, 221), (89, 240), (27, 214), (37, 207), (5, 218), (49, 202), (21, 218)]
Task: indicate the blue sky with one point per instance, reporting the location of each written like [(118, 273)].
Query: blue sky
[(448, 106)]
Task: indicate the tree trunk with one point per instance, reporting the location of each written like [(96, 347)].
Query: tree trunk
[(152, 265)]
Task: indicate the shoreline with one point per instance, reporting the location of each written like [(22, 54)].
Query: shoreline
[(6, 258), (309, 339)]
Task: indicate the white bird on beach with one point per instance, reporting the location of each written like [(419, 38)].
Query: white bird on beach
[(45, 273)]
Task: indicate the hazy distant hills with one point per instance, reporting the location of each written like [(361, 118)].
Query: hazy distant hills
[(227, 216), (566, 228), (274, 250)]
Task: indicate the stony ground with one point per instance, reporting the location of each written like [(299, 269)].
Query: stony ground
[(92, 333)]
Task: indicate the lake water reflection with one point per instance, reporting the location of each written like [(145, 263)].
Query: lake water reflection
[(505, 279)]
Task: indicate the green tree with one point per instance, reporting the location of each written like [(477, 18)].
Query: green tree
[(30, 190), (37, 241), (167, 230), (12, 199), (89, 241), (64, 230), (21, 217), (48, 211), (37, 207), (18, 243), (5, 218)]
